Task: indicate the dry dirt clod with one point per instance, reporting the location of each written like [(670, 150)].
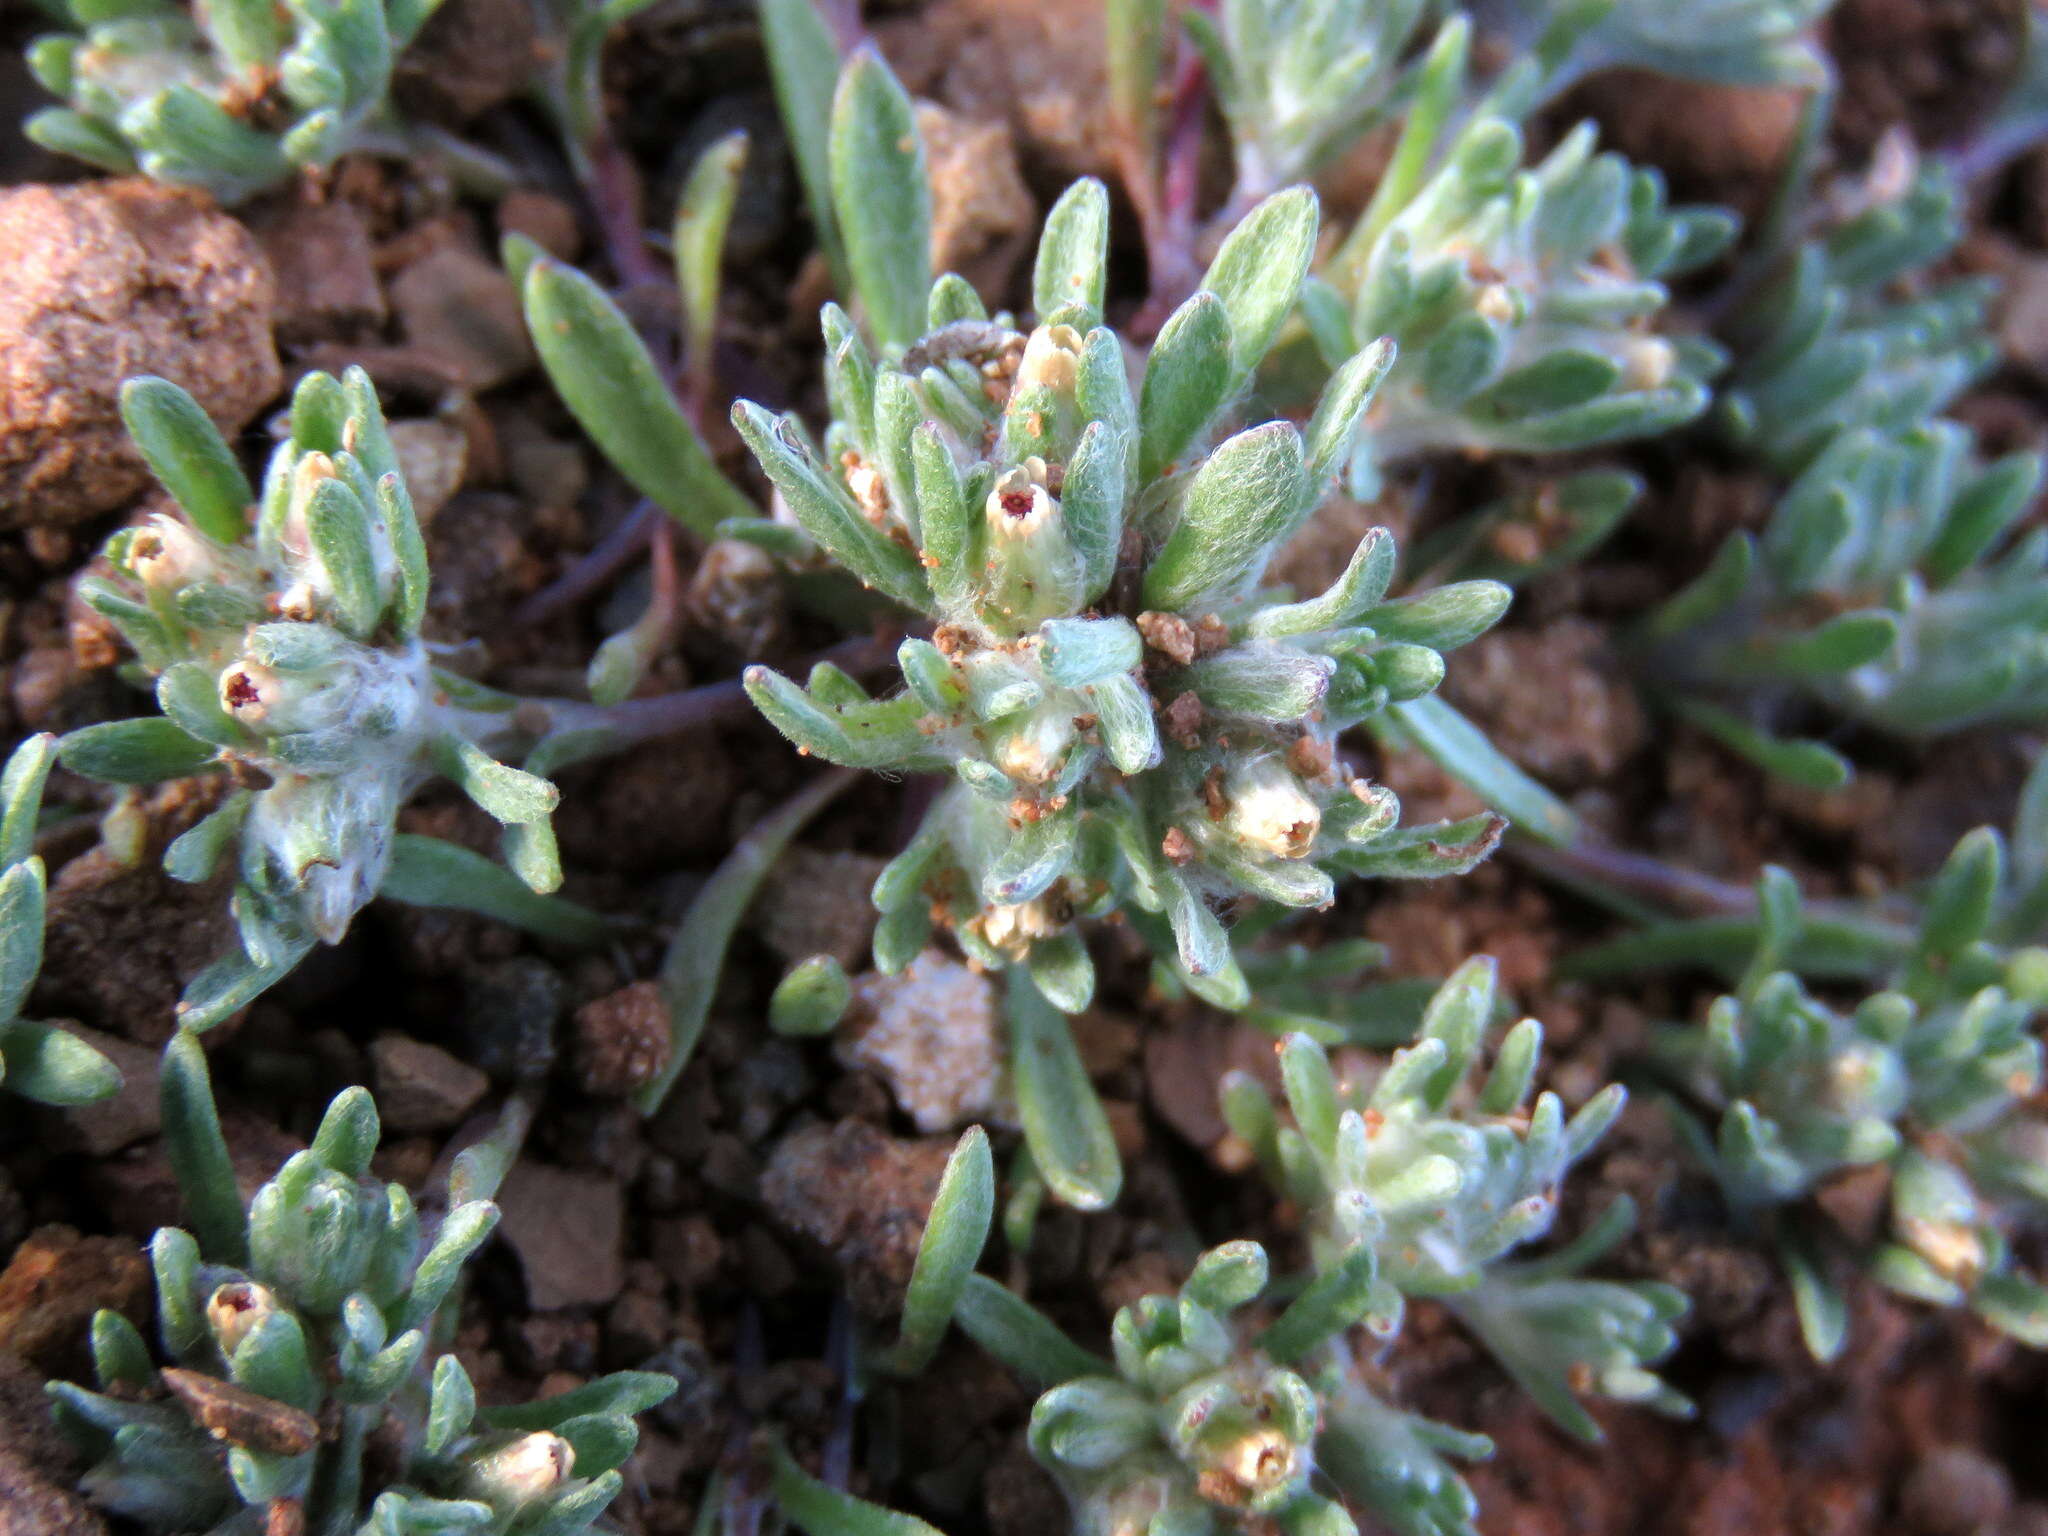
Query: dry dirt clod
[(327, 288), (862, 1196), (240, 1417), (622, 1040), (124, 938), (982, 215), (460, 308), (1955, 1490), (816, 903), (36, 1465), (421, 1087), (105, 280), (931, 1033), (568, 1230), (53, 1285), (1037, 65)]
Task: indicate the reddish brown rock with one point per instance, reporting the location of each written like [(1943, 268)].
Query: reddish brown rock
[(622, 1040), (55, 1282), (862, 1196), (568, 1229), (105, 280), (37, 1467)]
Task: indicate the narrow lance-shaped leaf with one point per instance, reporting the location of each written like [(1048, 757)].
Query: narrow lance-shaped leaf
[(702, 216), (611, 385), (199, 1153), (820, 1510), (188, 456), (1258, 272), (1073, 252), (954, 1235), (803, 61), (1064, 1123), (1021, 1336), (882, 197), (696, 955), (1240, 503), (429, 872)]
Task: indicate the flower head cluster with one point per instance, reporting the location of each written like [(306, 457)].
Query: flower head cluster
[(1927, 1083), (1129, 717), (298, 1394), (288, 654), (232, 95), (1202, 1425), (37, 1061)]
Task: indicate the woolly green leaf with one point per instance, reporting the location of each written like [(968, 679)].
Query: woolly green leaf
[(135, 752), (21, 795), (47, 1064), (827, 512), (1813, 764), (811, 999), (1073, 252), (1362, 585), (1021, 1336), (1259, 270), (954, 1234), (188, 456), (819, 1510), (612, 387), (1240, 503), (1064, 1123), (198, 1153), (1334, 427), (1435, 729), (1443, 618), (1187, 380), (803, 61), (429, 872), (882, 197), (703, 214), (1333, 1301)]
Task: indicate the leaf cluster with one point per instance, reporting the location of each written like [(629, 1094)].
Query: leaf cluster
[(234, 96), (297, 1331)]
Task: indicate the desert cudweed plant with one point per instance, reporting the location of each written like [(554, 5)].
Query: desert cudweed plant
[(1878, 589), (299, 1395), (231, 95), (1884, 586), (1218, 1415), (1735, 42), (1430, 1175), (1522, 301), (37, 1061), (288, 655), (1130, 720), (1928, 1082), (1855, 332)]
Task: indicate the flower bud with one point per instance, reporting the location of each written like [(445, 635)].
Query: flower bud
[(166, 555), (1269, 811), (1052, 358), (236, 1310), (1034, 572), (1036, 753), (516, 1474), (1014, 929), (1647, 362)]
